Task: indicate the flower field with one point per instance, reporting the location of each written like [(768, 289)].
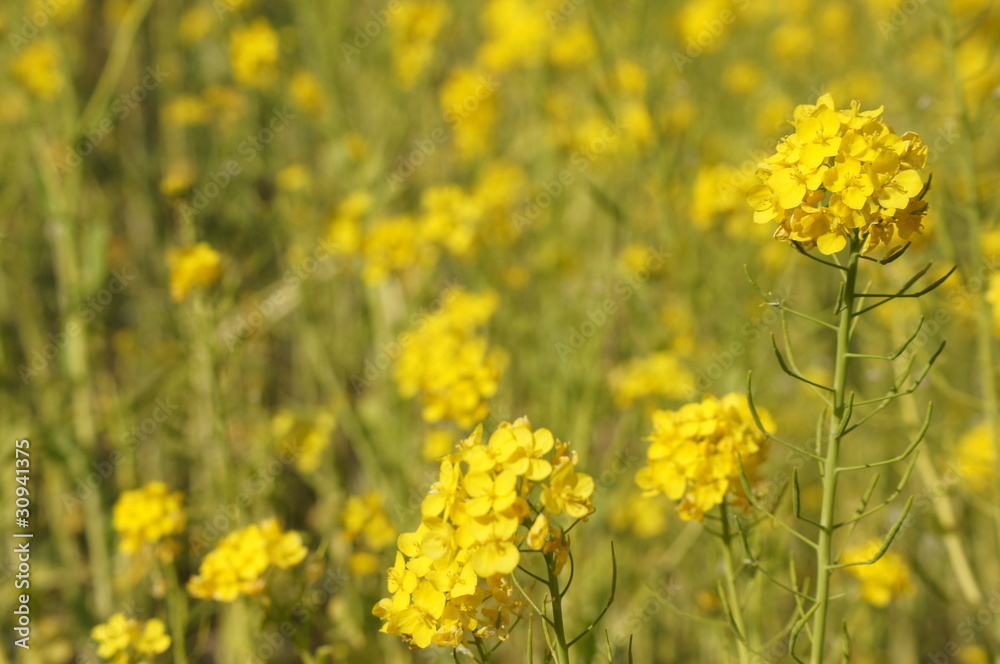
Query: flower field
[(510, 331)]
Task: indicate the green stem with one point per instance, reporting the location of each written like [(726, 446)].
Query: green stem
[(829, 467), (177, 613), (734, 605), (562, 647)]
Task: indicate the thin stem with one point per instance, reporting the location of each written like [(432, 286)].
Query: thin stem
[(828, 513), (734, 604), (558, 626)]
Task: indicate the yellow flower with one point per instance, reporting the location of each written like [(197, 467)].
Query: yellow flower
[(693, 452), (237, 564), (149, 514), (199, 265), (414, 29), (658, 375), (451, 575), (882, 580), (124, 640), (37, 69), (307, 93), (253, 53), (975, 457), (841, 174), (186, 111), (196, 23)]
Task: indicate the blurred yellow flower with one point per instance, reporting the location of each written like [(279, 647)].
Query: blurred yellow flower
[(237, 564), (196, 23), (468, 104), (126, 641), (517, 33), (660, 375), (37, 69), (976, 455), (253, 53), (199, 265), (882, 580), (414, 29), (186, 111), (178, 178), (573, 46), (307, 93), (304, 438), (294, 178), (149, 514)]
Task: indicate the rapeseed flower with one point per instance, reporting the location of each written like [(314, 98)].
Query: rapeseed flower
[(199, 265), (693, 452), (976, 456), (238, 563), (842, 174), (125, 640), (253, 53), (448, 365), (150, 514), (451, 576), (37, 69), (882, 580)]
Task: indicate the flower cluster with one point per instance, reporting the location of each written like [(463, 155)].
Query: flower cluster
[(842, 173), (484, 504), (150, 514), (976, 456), (254, 52), (125, 640), (367, 527), (883, 579), (199, 265), (693, 452), (657, 375), (448, 365), (237, 565)]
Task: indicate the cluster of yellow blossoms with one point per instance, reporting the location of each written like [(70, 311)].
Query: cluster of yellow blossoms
[(448, 365), (883, 579), (976, 456), (693, 452), (842, 173), (367, 527), (199, 265), (239, 561), (150, 514), (482, 507), (125, 640), (657, 375)]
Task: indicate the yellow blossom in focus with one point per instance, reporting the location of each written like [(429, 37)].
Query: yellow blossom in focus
[(237, 564), (253, 53), (881, 581), (842, 174), (149, 514), (125, 640), (199, 265), (451, 580), (37, 69), (693, 452)]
